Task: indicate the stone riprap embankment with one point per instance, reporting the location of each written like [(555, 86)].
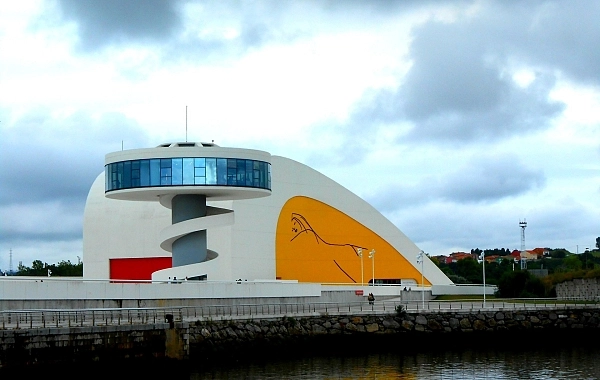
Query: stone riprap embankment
[(223, 339), (216, 331), (206, 337)]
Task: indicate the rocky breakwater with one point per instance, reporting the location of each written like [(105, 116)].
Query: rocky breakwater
[(501, 321), (344, 331)]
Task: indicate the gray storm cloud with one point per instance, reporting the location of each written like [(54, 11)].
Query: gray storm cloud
[(459, 88), (105, 22), (489, 179), (46, 159), (47, 167), (483, 179)]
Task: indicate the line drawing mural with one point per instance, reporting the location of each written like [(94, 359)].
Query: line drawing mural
[(301, 226)]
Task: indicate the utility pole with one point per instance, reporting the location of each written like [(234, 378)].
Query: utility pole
[(362, 272), (420, 260), (523, 225), (483, 263), (372, 257)]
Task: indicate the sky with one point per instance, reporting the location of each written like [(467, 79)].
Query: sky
[(455, 119)]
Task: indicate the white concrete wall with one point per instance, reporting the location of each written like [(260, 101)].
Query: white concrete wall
[(119, 229), (438, 290), (48, 289)]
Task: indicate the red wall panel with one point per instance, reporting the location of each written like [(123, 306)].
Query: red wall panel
[(139, 268)]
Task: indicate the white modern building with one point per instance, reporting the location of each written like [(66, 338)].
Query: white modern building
[(198, 211)]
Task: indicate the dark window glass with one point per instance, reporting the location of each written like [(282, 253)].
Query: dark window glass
[(211, 171), (241, 173), (221, 171), (177, 171), (144, 173), (119, 176), (155, 172), (165, 176), (126, 174), (248, 180), (231, 171), (258, 176), (165, 171), (135, 176), (263, 174), (188, 171), (112, 176), (231, 180)]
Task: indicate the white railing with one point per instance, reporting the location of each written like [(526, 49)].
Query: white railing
[(28, 319)]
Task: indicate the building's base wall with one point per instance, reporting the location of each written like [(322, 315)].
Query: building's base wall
[(40, 293), (6, 305), (55, 293)]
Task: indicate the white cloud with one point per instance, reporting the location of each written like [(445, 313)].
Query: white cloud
[(455, 119)]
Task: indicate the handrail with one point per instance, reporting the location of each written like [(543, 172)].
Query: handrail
[(42, 318)]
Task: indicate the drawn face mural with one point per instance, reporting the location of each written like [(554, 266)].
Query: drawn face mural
[(318, 243)]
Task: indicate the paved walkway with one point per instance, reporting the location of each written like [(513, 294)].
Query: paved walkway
[(25, 319)]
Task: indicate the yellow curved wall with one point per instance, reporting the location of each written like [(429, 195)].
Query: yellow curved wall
[(318, 243)]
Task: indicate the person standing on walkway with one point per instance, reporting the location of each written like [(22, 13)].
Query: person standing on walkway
[(371, 299)]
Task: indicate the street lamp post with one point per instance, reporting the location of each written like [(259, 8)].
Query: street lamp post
[(362, 272), (483, 263), (372, 257), (420, 260)]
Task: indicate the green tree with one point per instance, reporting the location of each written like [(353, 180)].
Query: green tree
[(495, 270), (67, 269), (470, 269), (572, 263), (520, 284), (559, 253), (63, 269), (37, 269)]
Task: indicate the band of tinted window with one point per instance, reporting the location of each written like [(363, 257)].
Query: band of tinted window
[(196, 171)]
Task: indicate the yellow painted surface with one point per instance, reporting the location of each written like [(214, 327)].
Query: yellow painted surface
[(318, 243)]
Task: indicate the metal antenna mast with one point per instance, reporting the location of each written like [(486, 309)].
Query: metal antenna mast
[(10, 269), (523, 225)]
